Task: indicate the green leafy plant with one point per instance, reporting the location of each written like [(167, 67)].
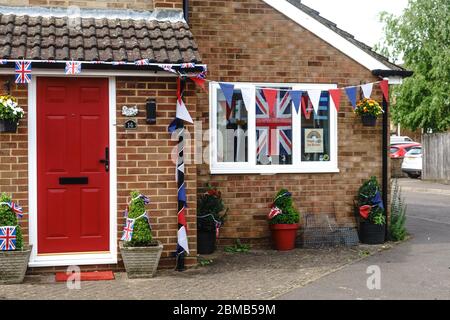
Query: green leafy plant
[(204, 262), (210, 209), (397, 229), (366, 194), (289, 215), (9, 218), (142, 234), (368, 106), (9, 109), (238, 247)]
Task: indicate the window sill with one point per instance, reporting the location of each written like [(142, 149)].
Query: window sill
[(272, 171)]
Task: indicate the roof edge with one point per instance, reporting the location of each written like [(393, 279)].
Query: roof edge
[(171, 15), (392, 73)]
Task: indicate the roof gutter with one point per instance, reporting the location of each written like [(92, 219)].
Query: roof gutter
[(392, 73)]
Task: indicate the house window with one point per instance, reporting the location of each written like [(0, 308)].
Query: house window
[(268, 136)]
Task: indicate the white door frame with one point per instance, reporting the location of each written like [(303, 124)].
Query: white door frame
[(46, 260)]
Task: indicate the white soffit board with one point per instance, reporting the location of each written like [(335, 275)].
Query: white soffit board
[(326, 34)]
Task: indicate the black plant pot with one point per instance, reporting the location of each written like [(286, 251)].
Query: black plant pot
[(370, 233), (206, 241), (8, 126), (369, 120)]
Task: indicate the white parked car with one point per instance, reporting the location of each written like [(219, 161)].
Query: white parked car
[(400, 140), (412, 163)]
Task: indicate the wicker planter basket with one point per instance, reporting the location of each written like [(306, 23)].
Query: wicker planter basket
[(141, 262), (13, 265)]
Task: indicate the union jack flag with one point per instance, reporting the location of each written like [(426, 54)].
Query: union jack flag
[(142, 62), (128, 230), (3, 61), (167, 67), (7, 238), (23, 71), (117, 63), (16, 209), (73, 67), (187, 65), (273, 127)]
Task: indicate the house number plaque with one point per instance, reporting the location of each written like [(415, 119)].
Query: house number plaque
[(130, 125)]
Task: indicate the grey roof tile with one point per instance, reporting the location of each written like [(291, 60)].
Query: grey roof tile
[(91, 39)]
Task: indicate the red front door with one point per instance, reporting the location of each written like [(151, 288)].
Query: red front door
[(73, 179)]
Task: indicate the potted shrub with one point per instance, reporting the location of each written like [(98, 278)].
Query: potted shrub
[(14, 256), (369, 110), (10, 113), (372, 227), (283, 221), (140, 252), (211, 215)]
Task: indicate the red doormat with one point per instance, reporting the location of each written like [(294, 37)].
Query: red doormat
[(87, 276)]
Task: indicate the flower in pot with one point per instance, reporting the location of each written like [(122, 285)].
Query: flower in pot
[(369, 110), (14, 256), (283, 221), (211, 214), (371, 213), (10, 113), (140, 252)]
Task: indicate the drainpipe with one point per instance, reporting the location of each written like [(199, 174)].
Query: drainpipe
[(385, 167), (186, 10)]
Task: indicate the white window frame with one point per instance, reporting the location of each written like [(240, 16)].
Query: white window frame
[(297, 165)]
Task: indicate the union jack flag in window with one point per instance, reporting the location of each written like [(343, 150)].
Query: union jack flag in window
[(7, 238), (274, 127)]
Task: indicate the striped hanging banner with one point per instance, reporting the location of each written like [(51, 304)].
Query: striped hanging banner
[(178, 126)]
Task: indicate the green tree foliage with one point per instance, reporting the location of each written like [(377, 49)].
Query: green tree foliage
[(289, 214), (421, 35), (142, 235), (9, 218)]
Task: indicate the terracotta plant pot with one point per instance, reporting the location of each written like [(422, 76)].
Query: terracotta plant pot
[(8, 126), (141, 262), (369, 120), (13, 265), (283, 236)]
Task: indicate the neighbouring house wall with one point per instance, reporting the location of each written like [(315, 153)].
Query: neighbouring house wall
[(144, 162), (248, 41), (100, 4)]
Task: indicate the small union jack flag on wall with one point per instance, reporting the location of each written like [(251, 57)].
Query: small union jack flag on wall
[(23, 71), (128, 230), (7, 238), (73, 67)]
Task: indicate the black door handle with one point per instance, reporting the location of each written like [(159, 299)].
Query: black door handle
[(106, 160)]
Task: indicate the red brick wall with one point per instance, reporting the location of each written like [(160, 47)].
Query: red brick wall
[(247, 40), (14, 155), (143, 160), (170, 4)]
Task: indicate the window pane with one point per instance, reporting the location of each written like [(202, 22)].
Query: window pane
[(316, 130), (273, 128), (231, 129)]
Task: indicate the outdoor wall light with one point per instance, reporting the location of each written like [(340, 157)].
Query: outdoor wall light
[(151, 111)]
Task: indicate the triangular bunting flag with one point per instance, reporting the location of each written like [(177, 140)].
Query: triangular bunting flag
[(182, 112), (335, 94), (314, 97), (306, 107), (384, 85), (271, 97), (367, 90), (248, 94), (200, 82), (228, 90), (182, 239), (351, 94), (296, 96)]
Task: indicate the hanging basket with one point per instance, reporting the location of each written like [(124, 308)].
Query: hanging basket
[(369, 120), (8, 126)]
